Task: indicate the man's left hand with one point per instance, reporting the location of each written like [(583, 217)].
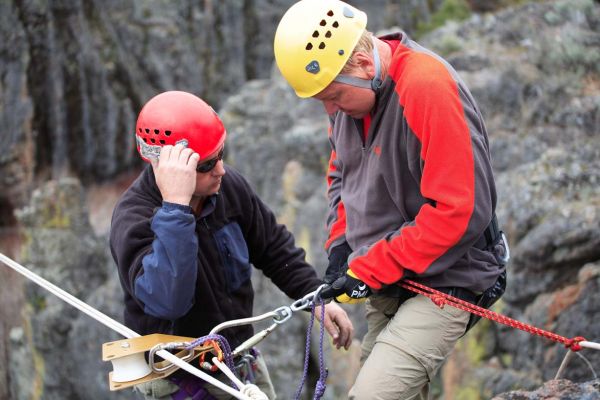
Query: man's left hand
[(337, 324), (347, 289)]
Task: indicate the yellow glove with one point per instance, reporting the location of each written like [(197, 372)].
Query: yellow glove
[(347, 289)]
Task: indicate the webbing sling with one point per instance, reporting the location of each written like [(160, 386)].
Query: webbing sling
[(490, 237)]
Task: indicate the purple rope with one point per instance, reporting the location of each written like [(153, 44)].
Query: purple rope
[(223, 343), (306, 353), (320, 386), (321, 383)]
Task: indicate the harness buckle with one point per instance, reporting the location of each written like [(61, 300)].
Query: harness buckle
[(506, 256)]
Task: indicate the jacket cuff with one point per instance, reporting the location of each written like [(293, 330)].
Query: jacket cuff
[(174, 206)]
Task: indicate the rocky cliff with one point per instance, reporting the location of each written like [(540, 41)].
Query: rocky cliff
[(74, 74)]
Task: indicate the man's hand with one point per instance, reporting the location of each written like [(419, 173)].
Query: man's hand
[(175, 173), (337, 262), (337, 324), (347, 289)]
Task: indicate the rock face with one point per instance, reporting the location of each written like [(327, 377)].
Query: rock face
[(74, 74), (56, 354), (559, 389)]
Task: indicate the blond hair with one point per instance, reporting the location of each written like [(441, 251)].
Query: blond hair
[(365, 45)]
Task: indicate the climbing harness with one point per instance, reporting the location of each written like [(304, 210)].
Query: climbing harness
[(127, 356)]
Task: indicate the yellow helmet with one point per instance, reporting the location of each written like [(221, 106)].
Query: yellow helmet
[(313, 42)]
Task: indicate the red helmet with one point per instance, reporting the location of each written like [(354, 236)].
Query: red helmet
[(178, 117)]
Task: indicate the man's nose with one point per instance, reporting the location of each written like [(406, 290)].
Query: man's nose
[(219, 169)]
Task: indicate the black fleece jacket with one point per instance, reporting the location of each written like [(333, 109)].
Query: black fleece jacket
[(223, 289)]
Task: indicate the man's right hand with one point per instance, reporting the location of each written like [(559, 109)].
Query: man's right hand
[(337, 260), (347, 289), (175, 173)]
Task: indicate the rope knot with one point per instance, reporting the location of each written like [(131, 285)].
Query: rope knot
[(439, 300), (573, 344), (319, 389), (254, 392)]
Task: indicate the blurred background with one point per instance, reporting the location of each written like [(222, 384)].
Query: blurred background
[(75, 73)]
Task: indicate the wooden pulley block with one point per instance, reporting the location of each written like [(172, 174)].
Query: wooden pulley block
[(129, 363)]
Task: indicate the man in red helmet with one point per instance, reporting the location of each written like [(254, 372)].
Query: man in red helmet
[(186, 234)]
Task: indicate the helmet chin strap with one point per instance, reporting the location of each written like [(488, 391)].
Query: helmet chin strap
[(373, 84)]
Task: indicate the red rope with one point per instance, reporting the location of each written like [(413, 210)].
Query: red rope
[(440, 299)]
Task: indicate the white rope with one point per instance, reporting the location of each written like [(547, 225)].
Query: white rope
[(115, 326), (72, 300), (590, 345), (250, 390), (228, 373), (563, 364)]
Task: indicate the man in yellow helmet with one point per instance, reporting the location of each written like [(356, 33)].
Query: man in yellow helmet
[(410, 186)]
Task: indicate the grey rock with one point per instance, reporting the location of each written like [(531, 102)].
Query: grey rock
[(559, 390), (74, 74)]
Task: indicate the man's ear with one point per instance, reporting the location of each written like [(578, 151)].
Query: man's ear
[(365, 63)]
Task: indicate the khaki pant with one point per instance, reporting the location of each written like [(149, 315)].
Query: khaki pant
[(404, 347), (162, 389)]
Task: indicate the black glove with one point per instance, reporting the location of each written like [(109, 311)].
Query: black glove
[(347, 289), (337, 262)]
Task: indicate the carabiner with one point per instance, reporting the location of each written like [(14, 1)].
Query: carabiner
[(300, 304), (283, 314), (317, 297)]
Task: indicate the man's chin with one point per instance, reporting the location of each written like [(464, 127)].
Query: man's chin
[(357, 115), (215, 189)]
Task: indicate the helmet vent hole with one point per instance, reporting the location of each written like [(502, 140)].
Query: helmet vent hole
[(330, 13), (309, 46), (168, 133), (147, 130), (315, 34), (323, 22), (328, 34), (156, 131), (335, 24), (140, 129), (162, 141), (153, 141), (146, 140), (322, 46)]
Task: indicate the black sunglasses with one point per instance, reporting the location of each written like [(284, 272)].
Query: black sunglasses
[(208, 165)]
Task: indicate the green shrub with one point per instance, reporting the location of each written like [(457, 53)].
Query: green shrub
[(450, 10)]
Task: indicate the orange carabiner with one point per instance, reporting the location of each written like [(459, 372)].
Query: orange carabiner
[(216, 351)]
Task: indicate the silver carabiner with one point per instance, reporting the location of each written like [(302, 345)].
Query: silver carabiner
[(168, 346), (284, 313), (317, 297), (300, 304), (506, 256), (308, 300)]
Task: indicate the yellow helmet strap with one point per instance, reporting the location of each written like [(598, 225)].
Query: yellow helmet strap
[(374, 83)]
